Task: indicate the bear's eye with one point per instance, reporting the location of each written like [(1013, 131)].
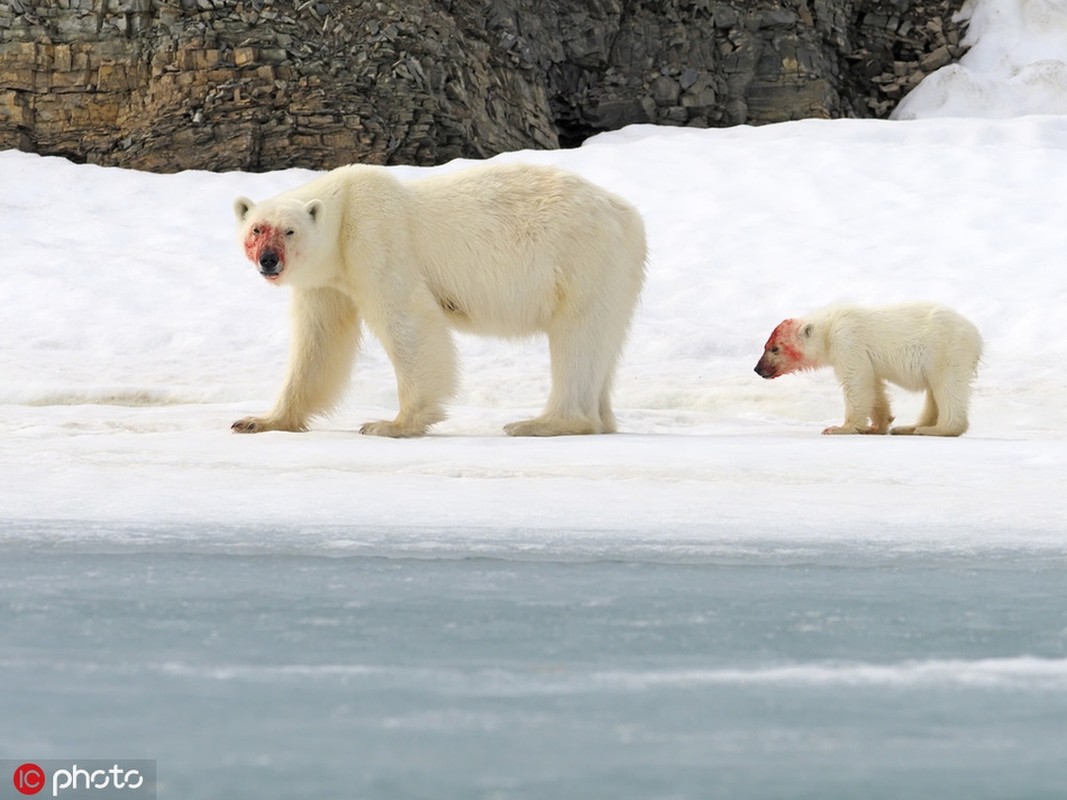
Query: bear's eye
[(290, 232), (774, 349), (256, 231)]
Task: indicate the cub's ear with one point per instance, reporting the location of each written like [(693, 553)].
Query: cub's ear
[(241, 207), (314, 209), (807, 330)]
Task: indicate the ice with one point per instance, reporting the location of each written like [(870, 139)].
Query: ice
[(826, 674)]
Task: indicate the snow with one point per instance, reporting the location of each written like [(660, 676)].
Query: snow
[(1016, 64), (137, 333)]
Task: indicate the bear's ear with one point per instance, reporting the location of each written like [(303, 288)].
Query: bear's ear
[(241, 207), (314, 209), (807, 330)]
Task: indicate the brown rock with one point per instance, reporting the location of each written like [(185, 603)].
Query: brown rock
[(266, 84)]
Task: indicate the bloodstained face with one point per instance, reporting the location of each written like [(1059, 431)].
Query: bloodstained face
[(783, 352), (265, 247)]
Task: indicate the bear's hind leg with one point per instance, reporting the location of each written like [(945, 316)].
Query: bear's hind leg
[(927, 418), (583, 361), (325, 336), (951, 398), (607, 416)]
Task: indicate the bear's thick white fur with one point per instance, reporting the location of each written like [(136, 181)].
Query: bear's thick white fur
[(499, 250), (917, 346)]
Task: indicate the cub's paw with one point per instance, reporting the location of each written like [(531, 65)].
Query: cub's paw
[(903, 430), (879, 426)]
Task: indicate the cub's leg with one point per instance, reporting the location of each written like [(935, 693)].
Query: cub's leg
[(881, 415), (325, 335), (860, 389), (952, 397), (927, 418)]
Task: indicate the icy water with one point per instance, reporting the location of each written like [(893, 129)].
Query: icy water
[(749, 673)]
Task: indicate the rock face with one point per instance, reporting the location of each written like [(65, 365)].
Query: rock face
[(264, 84)]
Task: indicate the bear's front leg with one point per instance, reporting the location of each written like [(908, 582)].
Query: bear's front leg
[(881, 415), (325, 335), (415, 335)]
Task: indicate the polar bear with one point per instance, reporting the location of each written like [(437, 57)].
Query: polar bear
[(914, 345), (502, 250)]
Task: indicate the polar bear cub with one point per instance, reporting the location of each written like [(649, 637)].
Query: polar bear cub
[(500, 250), (917, 346)]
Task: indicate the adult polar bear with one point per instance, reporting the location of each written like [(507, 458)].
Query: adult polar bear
[(498, 250), (914, 345)]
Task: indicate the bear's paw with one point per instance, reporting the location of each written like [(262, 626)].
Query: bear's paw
[(843, 430), (262, 424), (551, 426), (392, 429)]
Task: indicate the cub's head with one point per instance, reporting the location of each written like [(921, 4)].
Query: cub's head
[(789, 349), (280, 237)]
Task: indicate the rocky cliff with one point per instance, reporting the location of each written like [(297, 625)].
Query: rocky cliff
[(264, 84)]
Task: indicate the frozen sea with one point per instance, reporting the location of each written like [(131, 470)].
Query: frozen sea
[(762, 671), (716, 602)]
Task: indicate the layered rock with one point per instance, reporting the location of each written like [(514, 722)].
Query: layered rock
[(266, 84)]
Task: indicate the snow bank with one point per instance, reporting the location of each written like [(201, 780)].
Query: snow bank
[(1017, 65)]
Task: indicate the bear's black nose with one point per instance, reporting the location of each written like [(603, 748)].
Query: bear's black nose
[(268, 263)]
